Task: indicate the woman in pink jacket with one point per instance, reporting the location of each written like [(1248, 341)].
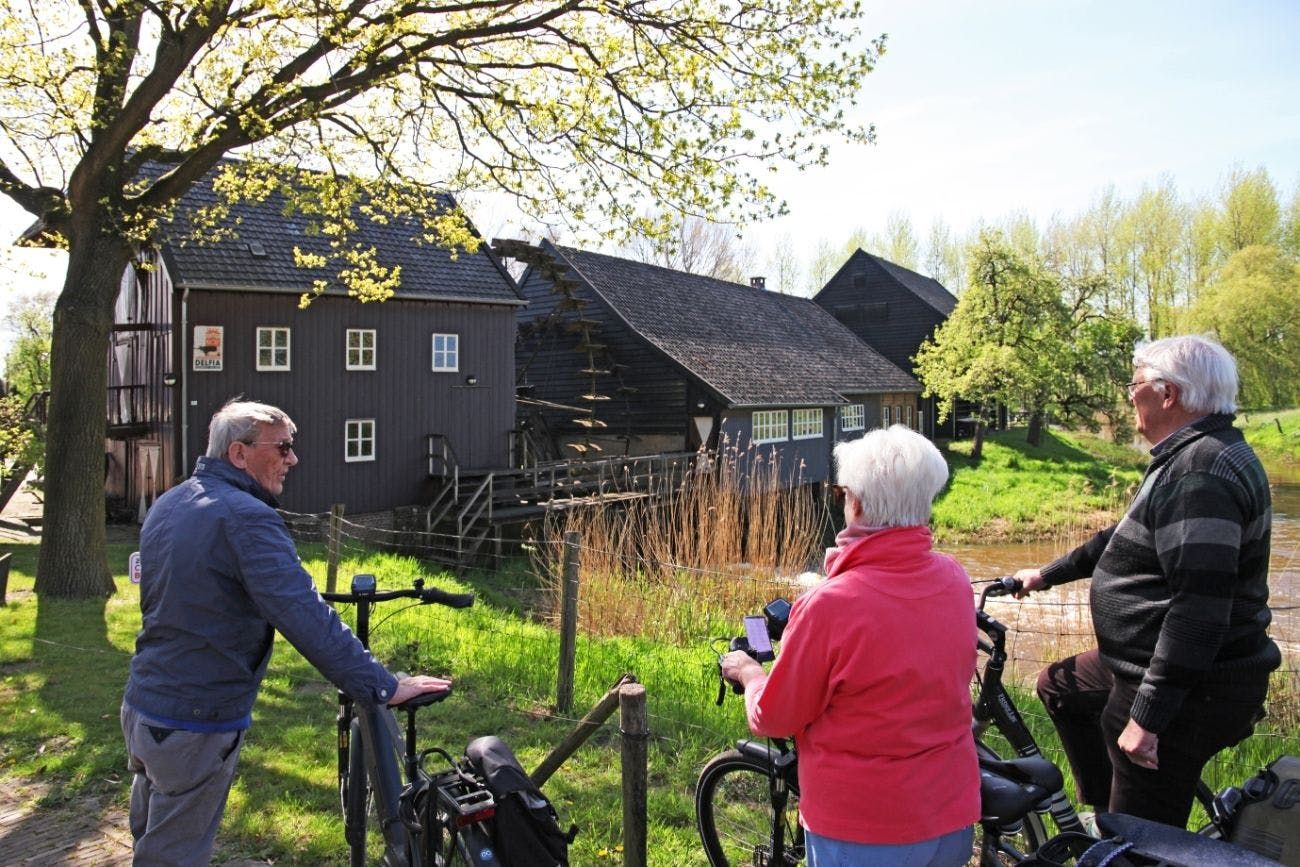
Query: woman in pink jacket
[(873, 678)]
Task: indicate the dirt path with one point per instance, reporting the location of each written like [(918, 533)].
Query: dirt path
[(86, 831)]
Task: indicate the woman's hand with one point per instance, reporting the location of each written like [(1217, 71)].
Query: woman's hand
[(739, 667)]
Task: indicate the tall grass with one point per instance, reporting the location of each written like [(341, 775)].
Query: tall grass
[(712, 541)]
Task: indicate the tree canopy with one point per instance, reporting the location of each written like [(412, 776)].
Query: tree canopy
[(590, 112), (1020, 338)]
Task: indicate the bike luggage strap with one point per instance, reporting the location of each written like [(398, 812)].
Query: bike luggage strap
[(1175, 845)]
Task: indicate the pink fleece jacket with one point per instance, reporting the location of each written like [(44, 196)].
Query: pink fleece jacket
[(873, 682)]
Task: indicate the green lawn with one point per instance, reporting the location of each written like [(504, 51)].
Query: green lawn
[(64, 663)]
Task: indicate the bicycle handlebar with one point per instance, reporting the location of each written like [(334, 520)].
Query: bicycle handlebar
[(425, 596)]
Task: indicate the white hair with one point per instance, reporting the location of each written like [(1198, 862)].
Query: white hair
[(237, 421), (894, 473), (1205, 372)]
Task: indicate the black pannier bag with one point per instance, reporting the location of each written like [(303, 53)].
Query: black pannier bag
[(526, 830)]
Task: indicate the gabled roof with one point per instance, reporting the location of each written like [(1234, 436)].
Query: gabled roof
[(260, 257), (749, 346), (928, 289)]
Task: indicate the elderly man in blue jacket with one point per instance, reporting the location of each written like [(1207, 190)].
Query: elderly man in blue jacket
[(219, 575)]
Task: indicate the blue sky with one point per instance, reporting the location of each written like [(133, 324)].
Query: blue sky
[(989, 108)]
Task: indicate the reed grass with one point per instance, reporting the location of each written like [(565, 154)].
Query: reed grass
[(711, 541)]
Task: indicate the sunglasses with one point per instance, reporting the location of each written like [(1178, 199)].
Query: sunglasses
[(284, 446)]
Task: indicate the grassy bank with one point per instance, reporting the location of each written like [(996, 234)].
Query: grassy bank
[(1067, 485), (64, 663), (1072, 483)]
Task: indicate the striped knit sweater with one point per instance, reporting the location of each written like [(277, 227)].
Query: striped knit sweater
[(1180, 585)]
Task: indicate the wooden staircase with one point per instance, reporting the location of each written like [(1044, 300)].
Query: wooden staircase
[(472, 507)]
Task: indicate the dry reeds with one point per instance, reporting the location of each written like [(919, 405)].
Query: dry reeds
[(709, 541)]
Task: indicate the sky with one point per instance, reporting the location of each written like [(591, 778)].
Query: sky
[(997, 107), (985, 109)]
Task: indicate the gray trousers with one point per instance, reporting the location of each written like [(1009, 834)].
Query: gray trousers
[(182, 779)]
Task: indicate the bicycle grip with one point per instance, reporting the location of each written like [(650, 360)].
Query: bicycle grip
[(432, 595)]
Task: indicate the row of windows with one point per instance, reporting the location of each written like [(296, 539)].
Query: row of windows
[(273, 350), (779, 425)]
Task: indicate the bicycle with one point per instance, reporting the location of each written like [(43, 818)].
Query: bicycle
[(747, 799), (428, 818), (993, 706)]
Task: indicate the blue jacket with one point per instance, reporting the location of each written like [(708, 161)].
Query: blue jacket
[(219, 574)]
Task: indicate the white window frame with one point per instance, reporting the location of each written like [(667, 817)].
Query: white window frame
[(770, 426), (855, 417), (273, 346), (361, 433), (806, 423), (450, 351), (363, 348), (884, 415), (911, 416)]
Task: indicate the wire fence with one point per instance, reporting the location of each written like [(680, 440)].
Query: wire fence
[(655, 617)]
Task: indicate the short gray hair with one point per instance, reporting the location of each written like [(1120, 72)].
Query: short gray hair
[(1205, 372), (894, 473), (237, 421)]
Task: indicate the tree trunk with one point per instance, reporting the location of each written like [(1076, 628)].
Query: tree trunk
[(74, 549), (1035, 434), (977, 446)]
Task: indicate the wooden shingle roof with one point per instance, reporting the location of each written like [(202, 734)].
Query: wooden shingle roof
[(751, 347), (260, 257)]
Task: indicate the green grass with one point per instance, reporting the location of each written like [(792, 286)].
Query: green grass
[(1275, 436), (1068, 483), (64, 664)]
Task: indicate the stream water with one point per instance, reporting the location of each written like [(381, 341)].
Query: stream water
[(1050, 624)]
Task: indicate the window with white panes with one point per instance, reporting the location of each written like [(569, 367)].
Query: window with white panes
[(272, 348), (446, 352), (805, 423), (771, 426), (359, 440), (361, 349), (855, 417), (884, 415), (911, 416)]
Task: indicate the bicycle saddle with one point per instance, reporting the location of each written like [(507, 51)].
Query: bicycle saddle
[(423, 699), (1176, 846), (1033, 770), (1010, 789)]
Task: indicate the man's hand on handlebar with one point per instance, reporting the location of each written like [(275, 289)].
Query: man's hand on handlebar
[(409, 687), (739, 667), (1030, 580)]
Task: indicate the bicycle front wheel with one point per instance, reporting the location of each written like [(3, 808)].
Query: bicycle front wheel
[(734, 814)]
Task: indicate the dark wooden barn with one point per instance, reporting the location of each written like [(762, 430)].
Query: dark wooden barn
[(621, 357), (375, 389), (893, 310)]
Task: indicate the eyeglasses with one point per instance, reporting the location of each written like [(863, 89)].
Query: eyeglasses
[(285, 446), (1133, 386)]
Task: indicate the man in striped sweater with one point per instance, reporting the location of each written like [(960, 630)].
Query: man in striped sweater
[(1179, 598)]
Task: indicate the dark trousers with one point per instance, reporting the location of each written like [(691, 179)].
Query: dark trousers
[(1090, 706)]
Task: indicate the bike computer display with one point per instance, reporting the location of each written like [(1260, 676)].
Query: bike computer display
[(760, 645), (363, 583)]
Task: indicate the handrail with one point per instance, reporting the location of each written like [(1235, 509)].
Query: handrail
[(464, 519)]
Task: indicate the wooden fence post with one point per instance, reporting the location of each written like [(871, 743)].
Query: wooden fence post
[(332, 545), (4, 575), (636, 734), (585, 728), (568, 623)]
